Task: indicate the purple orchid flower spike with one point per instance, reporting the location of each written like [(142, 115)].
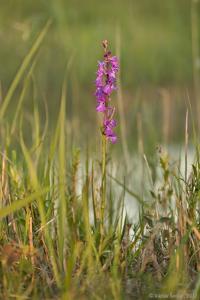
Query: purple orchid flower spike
[(105, 85)]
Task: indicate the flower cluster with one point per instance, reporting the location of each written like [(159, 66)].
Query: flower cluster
[(105, 84)]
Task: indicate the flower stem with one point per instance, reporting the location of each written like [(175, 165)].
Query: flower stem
[(103, 188)]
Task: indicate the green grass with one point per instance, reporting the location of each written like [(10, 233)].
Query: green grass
[(63, 235)]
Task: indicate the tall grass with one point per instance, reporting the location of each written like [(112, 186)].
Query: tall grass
[(57, 240)]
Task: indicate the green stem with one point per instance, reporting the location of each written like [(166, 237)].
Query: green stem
[(103, 188)]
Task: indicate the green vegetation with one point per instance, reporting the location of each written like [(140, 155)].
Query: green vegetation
[(155, 38), (54, 241), (155, 44)]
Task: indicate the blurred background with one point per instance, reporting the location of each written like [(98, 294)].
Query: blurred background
[(158, 45)]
